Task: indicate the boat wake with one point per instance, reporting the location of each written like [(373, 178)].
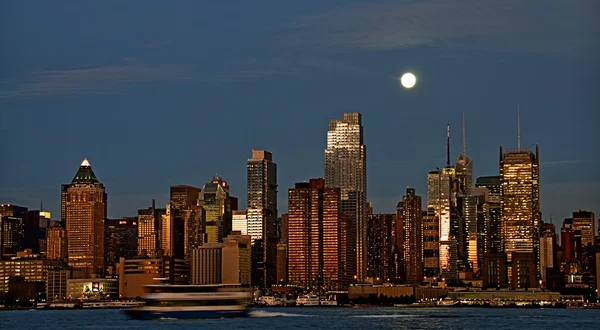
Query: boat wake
[(274, 314), (384, 316)]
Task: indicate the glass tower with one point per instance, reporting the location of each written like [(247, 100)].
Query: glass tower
[(346, 168)]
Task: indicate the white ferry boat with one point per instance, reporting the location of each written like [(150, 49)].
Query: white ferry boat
[(273, 301), (308, 300), (192, 302)]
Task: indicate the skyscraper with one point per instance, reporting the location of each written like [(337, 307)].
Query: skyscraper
[(346, 168), (547, 248), (584, 221), (85, 211), (262, 216), (380, 246), (120, 240), (410, 222), (186, 221), (215, 200), (520, 202), (316, 229), (492, 212), (240, 222), (57, 243), (12, 229), (148, 230), (431, 243)]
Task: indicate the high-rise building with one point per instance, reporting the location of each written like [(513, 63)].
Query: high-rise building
[(85, 210), (222, 263), (491, 210), (12, 229), (120, 240), (262, 216), (567, 241), (56, 243), (410, 222), (442, 200), (520, 203), (214, 199), (380, 246), (584, 221), (284, 228), (316, 237), (239, 222), (186, 222), (346, 168), (148, 226), (547, 248), (431, 243)]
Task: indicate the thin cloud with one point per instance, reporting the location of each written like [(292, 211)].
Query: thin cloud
[(114, 78), (552, 26), (566, 162)]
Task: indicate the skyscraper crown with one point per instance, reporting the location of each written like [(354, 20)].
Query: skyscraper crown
[(85, 173)]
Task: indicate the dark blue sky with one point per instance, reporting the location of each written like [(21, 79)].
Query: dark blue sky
[(156, 94)]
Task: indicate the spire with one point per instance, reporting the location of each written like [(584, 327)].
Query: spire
[(464, 136), (448, 145), (518, 127), (85, 175)]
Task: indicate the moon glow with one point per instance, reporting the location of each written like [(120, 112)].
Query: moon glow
[(408, 80)]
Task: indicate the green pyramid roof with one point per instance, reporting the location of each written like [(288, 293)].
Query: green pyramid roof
[(85, 173)]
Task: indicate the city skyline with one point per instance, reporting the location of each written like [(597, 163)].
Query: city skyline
[(137, 97)]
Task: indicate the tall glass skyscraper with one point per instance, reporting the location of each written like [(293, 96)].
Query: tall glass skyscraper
[(520, 201), (346, 168), (262, 216)]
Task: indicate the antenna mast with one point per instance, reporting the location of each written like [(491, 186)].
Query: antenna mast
[(518, 127), (448, 145), (464, 137)]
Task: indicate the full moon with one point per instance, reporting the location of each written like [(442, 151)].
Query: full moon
[(408, 80)]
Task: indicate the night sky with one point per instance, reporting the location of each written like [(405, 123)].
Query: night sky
[(160, 93)]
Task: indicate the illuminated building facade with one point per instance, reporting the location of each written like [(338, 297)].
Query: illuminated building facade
[(584, 222), (222, 263), (520, 203), (492, 213), (120, 240), (56, 243), (431, 243), (12, 236), (148, 226), (346, 168), (316, 237), (215, 200), (262, 216), (409, 217), (380, 246), (186, 221), (547, 249), (441, 199), (85, 208), (239, 222)]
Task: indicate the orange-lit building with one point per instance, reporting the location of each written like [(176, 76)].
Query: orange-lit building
[(409, 226), (316, 230), (520, 203), (85, 210), (56, 243), (380, 246), (148, 230)]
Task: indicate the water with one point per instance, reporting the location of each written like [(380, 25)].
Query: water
[(317, 318)]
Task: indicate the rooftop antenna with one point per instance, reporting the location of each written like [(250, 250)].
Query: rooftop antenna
[(448, 145), (464, 137), (518, 127)]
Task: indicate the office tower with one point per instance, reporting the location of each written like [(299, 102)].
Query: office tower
[(410, 221), (186, 222), (283, 228), (492, 209), (520, 203), (316, 242), (282, 249), (11, 210), (166, 231), (494, 270), (85, 210), (380, 246), (32, 231), (120, 240), (44, 224), (222, 263), (262, 216), (12, 233), (584, 221), (240, 222), (547, 244), (431, 243), (346, 168), (56, 284), (567, 241), (148, 230), (216, 202), (56, 243)]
